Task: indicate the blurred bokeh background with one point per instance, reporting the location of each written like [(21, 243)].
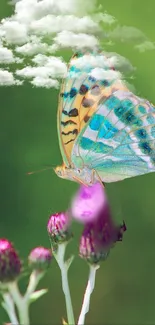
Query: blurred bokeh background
[(125, 286)]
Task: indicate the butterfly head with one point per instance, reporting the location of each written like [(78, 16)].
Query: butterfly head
[(61, 171), (84, 176)]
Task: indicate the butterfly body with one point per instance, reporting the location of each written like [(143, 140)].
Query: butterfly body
[(106, 133), (83, 175)]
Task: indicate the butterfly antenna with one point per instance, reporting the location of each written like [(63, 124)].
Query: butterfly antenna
[(39, 171)]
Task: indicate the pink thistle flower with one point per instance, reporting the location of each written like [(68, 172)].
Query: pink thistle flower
[(58, 228), (100, 232), (40, 258), (10, 264)]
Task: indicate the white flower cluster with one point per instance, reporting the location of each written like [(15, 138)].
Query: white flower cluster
[(31, 37), (37, 30)]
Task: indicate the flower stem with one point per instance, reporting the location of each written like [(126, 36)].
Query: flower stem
[(59, 256), (8, 305), (88, 292), (24, 313), (21, 303), (35, 277)]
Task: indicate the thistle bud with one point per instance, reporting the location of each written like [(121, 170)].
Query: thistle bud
[(58, 228), (40, 258), (10, 264), (100, 233), (90, 249)]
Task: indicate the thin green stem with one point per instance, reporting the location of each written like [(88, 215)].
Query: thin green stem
[(35, 277), (87, 295), (59, 256), (21, 303), (8, 305), (24, 312)]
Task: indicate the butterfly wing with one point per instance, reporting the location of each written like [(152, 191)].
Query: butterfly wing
[(78, 100), (119, 139)]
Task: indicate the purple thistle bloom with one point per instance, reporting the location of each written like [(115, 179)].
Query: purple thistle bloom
[(10, 264), (99, 234), (40, 258), (88, 202), (58, 228)]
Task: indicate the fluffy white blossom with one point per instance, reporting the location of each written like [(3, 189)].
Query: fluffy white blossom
[(52, 24), (32, 47), (94, 61), (42, 27), (7, 79), (73, 40), (38, 29), (7, 57), (14, 32), (44, 72), (102, 74), (45, 82)]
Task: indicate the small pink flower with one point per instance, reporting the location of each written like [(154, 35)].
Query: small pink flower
[(88, 202), (40, 258)]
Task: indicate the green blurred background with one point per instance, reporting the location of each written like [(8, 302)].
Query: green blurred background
[(125, 286)]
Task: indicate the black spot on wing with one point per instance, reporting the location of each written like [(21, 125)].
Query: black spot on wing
[(105, 83), (75, 131), (86, 102), (69, 141), (145, 148), (68, 122), (73, 92), (141, 133), (72, 113), (83, 90), (86, 118)]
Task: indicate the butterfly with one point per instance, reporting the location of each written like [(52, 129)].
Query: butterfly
[(106, 133)]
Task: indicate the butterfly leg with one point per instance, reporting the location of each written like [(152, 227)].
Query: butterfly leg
[(95, 177)]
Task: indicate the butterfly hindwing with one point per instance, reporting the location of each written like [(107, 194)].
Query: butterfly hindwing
[(119, 139)]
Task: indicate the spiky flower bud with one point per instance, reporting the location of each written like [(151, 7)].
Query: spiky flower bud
[(100, 234), (40, 258), (10, 264), (89, 248), (95, 246), (58, 228)]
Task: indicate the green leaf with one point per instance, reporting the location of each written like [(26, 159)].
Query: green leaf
[(37, 294), (69, 261)]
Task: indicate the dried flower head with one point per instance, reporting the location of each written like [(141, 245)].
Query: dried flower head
[(10, 264), (58, 228), (40, 258)]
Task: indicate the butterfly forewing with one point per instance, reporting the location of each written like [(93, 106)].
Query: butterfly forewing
[(79, 99)]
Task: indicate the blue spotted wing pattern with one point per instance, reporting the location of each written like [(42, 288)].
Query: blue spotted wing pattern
[(79, 99), (119, 139)]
